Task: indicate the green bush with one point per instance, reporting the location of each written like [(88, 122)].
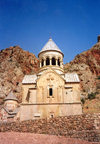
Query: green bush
[(98, 77), (91, 96), (83, 100)]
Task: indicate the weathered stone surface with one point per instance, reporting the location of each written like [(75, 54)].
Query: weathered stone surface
[(50, 93), (86, 127)]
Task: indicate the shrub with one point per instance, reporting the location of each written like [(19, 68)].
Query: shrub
[(83, 100), (91, 96), (98, 77)]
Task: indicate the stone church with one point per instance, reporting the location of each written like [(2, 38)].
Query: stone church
[(48, 94), (51, 92)]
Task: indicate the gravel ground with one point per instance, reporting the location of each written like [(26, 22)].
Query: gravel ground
[(30, 138)]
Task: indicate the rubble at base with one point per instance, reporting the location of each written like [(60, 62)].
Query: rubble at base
[(86, 127)]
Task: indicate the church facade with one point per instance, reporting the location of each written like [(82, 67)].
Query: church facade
[(51, 92)]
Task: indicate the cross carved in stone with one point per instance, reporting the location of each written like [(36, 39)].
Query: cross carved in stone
[(50, 78)]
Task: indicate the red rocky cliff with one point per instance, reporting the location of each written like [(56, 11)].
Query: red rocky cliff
[(14, 64), (87, 66)]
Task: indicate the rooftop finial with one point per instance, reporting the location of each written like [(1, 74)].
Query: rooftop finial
[(50, 36)]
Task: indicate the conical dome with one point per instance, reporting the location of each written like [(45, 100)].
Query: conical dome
[(51, 56), (11, 96), (50, 46)]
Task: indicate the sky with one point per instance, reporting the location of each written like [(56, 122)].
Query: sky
[(73, 24)]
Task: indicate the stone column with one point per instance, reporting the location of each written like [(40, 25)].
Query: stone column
[(44, 62), (40, 64), (50, 61), (61, 64)]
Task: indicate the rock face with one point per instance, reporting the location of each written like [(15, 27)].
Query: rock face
[(87, 66), (14, 64)]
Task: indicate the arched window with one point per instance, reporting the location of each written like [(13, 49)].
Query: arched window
[(50, 91), (47, 61), (53, 61), (58, 62), (42, 62)]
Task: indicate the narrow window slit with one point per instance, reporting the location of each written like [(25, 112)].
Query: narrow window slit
[(50, 92)]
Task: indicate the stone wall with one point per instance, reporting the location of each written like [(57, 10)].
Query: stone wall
[(47, 110), (85, 127)]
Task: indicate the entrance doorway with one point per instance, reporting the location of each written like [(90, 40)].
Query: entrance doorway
[(51, 114)]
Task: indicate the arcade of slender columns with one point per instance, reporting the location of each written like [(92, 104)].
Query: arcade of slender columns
[(50, 62)]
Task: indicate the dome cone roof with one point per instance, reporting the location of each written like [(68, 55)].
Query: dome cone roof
[(11, 96), (50, 46)]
